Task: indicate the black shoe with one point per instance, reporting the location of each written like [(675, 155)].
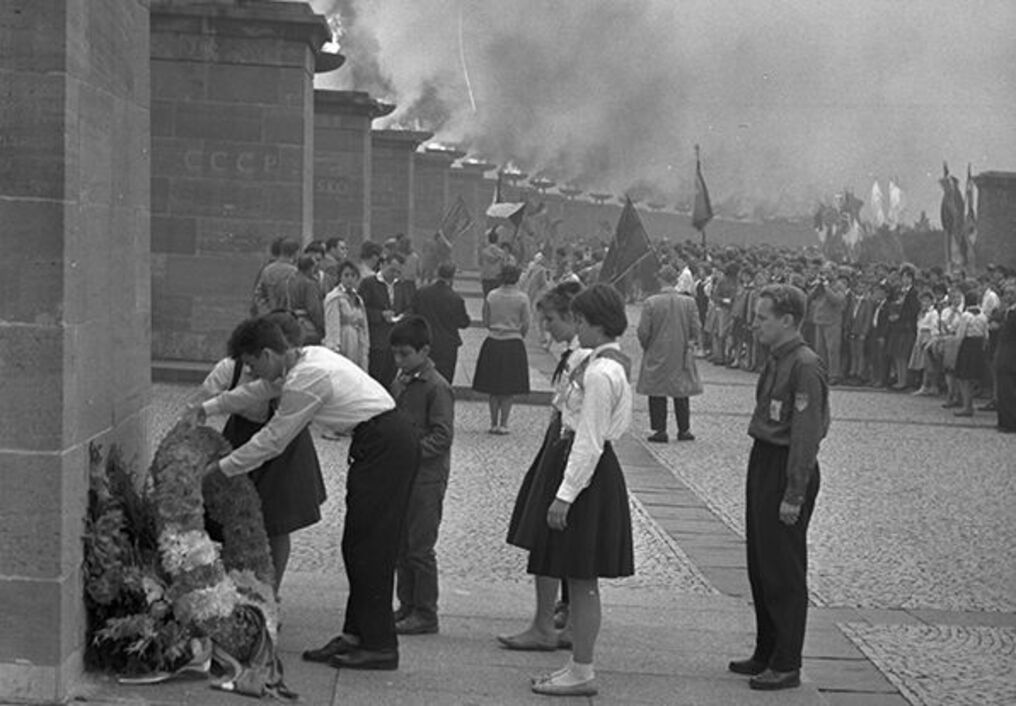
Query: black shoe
[(387, 660), (658, 437), (336, 646), (774, 681), (685, 436), (401, 614), (415, 625), (748, 667)]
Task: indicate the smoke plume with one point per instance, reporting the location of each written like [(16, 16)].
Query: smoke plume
[(790, 101)]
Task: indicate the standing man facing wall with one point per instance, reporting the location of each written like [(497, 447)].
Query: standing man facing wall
[(790, 420)]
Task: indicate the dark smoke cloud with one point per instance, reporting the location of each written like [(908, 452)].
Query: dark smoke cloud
[(791, 101)]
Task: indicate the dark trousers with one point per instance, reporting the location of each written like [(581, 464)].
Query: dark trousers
[(384, 457), (777, 559), (381, 365), (1005, 394), (445, 359), (416, 567), (658, 413)]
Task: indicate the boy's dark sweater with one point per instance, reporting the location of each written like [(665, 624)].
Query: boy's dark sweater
[(427, 399)]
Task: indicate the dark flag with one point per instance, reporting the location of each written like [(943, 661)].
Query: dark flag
[(629, 247), (971, 220), (702, 212), (456, 221), (509, 210), (951, 213)]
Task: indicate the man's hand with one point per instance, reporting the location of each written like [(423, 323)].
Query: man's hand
[(789, 513), (194, 414), (211, 468), (388, 315), (557, 515)]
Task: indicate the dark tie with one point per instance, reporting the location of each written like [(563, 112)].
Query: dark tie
[(562, 365)]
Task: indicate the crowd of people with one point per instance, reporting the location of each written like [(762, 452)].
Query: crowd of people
[(891, 326)]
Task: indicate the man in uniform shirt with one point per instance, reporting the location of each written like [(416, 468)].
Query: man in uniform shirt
[(791, 418), (314, 384)]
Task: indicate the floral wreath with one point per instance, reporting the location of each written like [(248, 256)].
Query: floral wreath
[(161, 598)]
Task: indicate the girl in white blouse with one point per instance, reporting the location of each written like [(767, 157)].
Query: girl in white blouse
[(588, 525)]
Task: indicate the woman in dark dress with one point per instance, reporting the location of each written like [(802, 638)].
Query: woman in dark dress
[(903, 313), (290, 485)]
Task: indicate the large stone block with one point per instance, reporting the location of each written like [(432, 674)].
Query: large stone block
[(218, 121), (179, 80), (31, 385), (32, 119), (174, 235), (31, 621), (31, 514)]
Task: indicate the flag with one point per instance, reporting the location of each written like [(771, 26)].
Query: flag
[(629, 247), (456, 220), (971, 219), (951, 214), (895, 212), (878, 215), (702, 211), (509, 210)]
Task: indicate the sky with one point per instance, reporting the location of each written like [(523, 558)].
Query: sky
[(791, 101)]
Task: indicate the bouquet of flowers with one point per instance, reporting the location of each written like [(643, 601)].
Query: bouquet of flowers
[(159, 595)]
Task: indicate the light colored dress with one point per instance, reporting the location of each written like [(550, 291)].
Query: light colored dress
[(346, 329)]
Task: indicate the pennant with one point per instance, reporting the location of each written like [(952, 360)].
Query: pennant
[(508, 210), (971, 218), (456, 220), (951, 213), (878, 215), (702, 211), (629, 247), (895, 214)]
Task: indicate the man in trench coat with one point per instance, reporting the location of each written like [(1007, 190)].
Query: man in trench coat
[(668, 331)]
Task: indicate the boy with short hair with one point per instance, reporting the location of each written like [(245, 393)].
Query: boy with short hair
[(426, 398)]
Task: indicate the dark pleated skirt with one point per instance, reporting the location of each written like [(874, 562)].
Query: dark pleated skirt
[(502, 368), (971, 363), (523, 523), (597, 543), (290, 485)]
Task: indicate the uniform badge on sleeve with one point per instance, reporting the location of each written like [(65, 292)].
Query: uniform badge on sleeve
[(801, 401)]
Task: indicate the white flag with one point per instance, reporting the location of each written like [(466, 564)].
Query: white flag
[(895, 214), (878, 215)]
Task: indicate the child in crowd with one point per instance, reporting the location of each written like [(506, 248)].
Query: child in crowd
[(426, 398), (927, 327), (970, 361)]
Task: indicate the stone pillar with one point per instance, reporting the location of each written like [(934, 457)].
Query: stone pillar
[(392, 181), (74, 308), (430, 192), (996, 219), (232, 159), (342, 164), (466, 180)]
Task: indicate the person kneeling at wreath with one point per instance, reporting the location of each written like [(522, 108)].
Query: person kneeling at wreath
[(314, 384)]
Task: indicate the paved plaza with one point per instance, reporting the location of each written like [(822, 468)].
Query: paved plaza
[(911, 563)]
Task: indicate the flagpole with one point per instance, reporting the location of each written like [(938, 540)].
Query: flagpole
[(631, 267)]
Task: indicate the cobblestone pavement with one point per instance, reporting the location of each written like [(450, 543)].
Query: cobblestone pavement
[(942, 664), (486, 473)]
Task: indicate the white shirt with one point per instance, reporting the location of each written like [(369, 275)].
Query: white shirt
[(605, 414), (323, 387), (567, 393), (221, 378), (989, 302), (928, 321)]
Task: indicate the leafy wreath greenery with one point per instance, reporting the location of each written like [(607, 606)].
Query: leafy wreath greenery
[(159, 596)]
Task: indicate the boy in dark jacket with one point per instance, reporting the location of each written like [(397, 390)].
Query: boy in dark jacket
[(426, 398)]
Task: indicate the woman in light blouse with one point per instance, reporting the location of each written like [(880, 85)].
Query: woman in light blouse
[(587, 530), (502, 368)]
